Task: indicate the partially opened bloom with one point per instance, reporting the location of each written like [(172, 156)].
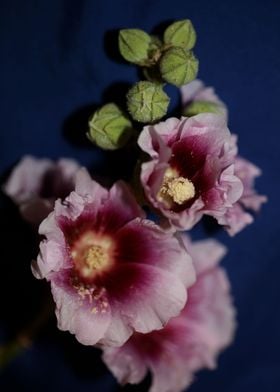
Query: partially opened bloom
[(111, 270), (189, 342), (34, 184), (238, 216), (197, 98), (190, 169)]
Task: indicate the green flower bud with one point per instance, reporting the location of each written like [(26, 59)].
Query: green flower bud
[(147, 102), (134, 45), (109, 128), (180, 34), (197, 107), (178, 67)]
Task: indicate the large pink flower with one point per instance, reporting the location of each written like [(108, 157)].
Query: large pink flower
[(189, 342), (34, 184), (111, 270), (190, 170)]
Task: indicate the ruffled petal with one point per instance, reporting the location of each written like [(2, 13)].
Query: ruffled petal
[(125, 364), (80, 317), (53, 256), (212, 129), (154, 140), (235, 219)]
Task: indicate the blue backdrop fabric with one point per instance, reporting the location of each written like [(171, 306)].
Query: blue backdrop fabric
[(57, 63)]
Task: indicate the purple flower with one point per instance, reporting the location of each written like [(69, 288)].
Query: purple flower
[(190, 170), (189, 342), (34, 184), (111, 271)]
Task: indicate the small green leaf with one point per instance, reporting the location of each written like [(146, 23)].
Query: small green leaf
[(180, 34)]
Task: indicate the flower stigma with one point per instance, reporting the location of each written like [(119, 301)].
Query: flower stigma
[(175, 189)]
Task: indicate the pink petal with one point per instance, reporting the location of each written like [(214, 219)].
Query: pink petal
[(189, 91), (206, 254), (190, 341), (79, 318), (142, 241), (53, 256), (212, 127), (145, 296), (119, 208), (88, 188), (25, 180), (235, 219), (150, 142), (125, 364)]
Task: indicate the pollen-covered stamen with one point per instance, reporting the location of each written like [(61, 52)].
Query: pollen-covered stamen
[(92, 254), (95, 259), (175, 189), (180, 189)]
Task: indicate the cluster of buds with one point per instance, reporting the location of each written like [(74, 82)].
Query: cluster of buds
[(167, 59)]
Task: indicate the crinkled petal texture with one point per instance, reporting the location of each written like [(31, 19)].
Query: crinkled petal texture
[(238, 216), (34, 184), (197, 91), (112, 271), (191, 168), (189, 342)]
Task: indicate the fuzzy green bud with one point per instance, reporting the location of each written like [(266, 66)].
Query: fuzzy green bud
[(147, 102), (197, 107), (178, 67), (134, 45), (109, 127), (180, 34)]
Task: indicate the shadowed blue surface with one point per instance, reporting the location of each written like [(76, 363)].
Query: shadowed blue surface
[(54, 70)]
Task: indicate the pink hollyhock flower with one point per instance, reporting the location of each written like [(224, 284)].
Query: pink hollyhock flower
[(189, 342), (111, 271), (237, 217), (191, 168), (34, 184), (197, 92)]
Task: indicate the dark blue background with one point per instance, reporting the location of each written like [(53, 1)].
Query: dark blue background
[(54, 69)]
